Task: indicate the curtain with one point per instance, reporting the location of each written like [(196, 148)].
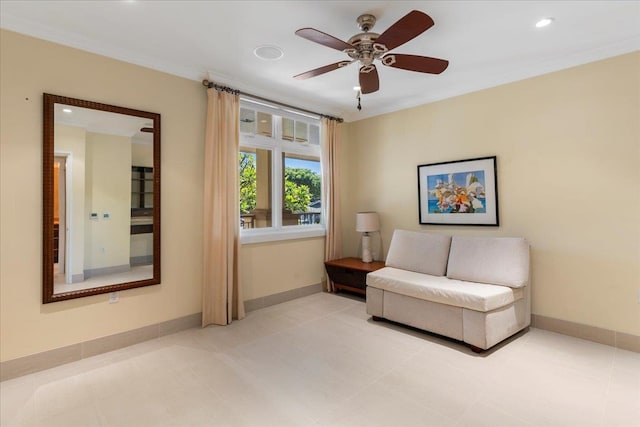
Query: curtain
[(331, 182), (221, 297)]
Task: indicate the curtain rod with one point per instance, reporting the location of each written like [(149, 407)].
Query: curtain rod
[(209, 85)]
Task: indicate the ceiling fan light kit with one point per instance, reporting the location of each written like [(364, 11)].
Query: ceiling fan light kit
[(368, 47)]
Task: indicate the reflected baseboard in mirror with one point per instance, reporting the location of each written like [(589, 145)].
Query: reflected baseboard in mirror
[(101, 170), (132, 274)]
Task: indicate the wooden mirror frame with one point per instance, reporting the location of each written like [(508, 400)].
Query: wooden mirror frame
[(48, 294)]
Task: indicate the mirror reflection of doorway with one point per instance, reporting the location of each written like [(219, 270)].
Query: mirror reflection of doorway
[(60, 220)]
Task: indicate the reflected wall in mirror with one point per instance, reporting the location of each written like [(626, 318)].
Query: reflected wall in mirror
[(101, 198)]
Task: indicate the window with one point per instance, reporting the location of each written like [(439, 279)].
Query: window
[(280, 174)]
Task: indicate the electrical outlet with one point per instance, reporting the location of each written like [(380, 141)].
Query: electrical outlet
[(113, 297)]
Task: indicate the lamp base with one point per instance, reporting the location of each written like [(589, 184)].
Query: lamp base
[(366, 248)]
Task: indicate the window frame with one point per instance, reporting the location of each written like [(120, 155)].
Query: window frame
[(279, 148)]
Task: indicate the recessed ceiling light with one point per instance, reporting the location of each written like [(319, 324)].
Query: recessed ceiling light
[(268, 52), (544, 22), (67, 110)]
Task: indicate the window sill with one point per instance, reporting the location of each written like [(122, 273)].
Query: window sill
[(270, 235)]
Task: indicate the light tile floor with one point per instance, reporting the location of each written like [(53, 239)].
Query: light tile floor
[(321, 361)]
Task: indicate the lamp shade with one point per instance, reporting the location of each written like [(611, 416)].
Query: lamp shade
[(367, 221)]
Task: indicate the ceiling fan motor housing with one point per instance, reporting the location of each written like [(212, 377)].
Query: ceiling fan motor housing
[(366, 22), (366, 50)]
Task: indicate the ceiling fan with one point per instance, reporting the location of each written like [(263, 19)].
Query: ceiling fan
[(367, 47)]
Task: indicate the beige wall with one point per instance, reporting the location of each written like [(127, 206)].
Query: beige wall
[(271, 268), (568, 149), (29, 67)]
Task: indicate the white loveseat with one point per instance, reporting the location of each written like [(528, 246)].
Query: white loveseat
[(472, 289)]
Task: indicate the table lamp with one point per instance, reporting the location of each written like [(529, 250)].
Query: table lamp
[(367, 222)]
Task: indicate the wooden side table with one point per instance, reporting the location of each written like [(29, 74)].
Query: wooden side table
[(351, 273)]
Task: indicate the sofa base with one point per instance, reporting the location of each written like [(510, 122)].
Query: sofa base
[(481, 330)]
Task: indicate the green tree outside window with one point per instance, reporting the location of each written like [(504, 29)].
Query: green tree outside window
[(302, 186)]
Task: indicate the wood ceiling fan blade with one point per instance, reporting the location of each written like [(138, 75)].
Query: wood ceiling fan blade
[(321, 70), (369, 81), (421, 64), (323, 39), (411, 25)]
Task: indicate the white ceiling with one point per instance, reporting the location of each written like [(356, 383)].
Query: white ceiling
[(488, 43)]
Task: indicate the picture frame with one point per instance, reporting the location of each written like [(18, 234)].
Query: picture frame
[(459, 192)]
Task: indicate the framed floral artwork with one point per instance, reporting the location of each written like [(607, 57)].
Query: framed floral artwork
[(461, 192)]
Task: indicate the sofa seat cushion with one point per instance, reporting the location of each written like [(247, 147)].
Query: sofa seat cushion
[(474, 296)]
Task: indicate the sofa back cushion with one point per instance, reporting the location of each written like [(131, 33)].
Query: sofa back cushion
[(419, 251), (495, 260)]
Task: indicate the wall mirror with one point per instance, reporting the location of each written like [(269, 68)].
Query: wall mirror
[(101, 198)]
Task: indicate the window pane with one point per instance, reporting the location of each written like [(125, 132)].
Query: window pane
[(247, 120), (255, 188), (287, 129), (302, 187), (314, 134), (301, 132), (265, 124)]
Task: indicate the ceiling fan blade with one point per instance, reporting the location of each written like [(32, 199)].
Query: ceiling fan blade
[(411, 25), (323, 39), (369, 81), (322, 70), (421, 64)]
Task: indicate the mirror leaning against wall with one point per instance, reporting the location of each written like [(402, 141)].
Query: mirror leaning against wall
[(101, 198)]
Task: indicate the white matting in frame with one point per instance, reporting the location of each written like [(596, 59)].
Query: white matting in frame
[(461, 192)]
